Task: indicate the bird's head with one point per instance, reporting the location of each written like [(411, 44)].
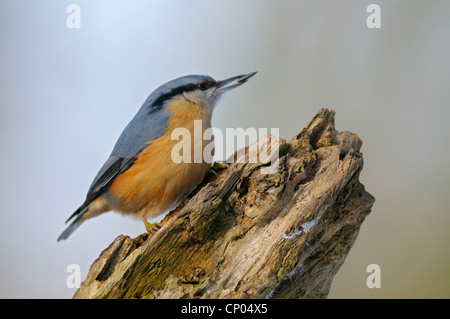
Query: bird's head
[(199, 89)]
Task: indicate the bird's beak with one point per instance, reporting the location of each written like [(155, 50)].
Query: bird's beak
[(225, 85)]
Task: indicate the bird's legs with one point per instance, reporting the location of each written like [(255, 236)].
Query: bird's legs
[(217, 166), (151, 228)]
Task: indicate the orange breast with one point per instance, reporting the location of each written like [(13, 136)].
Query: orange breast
[(155, 183)]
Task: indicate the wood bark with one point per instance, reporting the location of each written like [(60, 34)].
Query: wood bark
[(245, 234)]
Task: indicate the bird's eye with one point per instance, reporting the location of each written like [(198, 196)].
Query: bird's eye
[(203, 86)]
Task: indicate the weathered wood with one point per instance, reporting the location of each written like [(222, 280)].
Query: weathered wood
[(244, 234)]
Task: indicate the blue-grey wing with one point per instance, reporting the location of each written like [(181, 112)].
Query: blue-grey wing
[(148, 124)]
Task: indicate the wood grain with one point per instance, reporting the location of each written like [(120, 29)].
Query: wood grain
[(244, 234)]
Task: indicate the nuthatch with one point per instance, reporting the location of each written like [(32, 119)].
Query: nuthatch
[(140, 178)]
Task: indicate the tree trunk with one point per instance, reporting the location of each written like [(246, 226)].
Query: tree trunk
[(245, 234)]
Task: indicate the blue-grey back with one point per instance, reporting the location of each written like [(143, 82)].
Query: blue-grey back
[(149, 123)]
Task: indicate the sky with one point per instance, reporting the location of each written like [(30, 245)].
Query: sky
[(67, 93)]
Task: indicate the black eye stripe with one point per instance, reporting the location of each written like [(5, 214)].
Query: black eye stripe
[(180, 90), (205, 85), (174, 92)]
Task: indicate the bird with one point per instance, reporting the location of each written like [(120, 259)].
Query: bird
[(140, 178)]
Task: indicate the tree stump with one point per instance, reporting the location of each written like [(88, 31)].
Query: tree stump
[(244, 234)]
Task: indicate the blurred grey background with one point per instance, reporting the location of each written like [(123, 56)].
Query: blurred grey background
[(66, 94)]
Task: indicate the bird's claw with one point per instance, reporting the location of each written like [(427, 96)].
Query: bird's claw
[(151, 227), (217, 166)]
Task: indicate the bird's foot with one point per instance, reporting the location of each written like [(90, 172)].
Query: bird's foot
[(218, 166), (151, 227)]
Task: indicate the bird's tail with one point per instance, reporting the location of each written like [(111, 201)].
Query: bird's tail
[(79, 215), (71, 228)]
